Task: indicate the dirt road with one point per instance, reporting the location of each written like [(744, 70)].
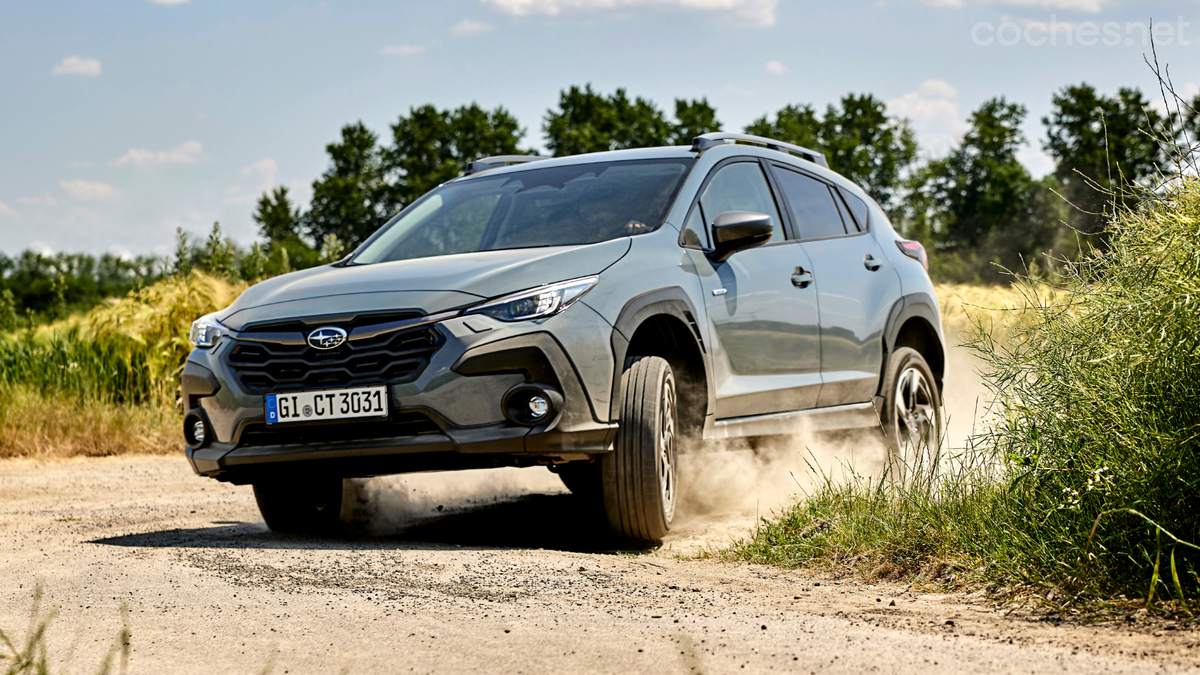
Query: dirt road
[(487, 584)]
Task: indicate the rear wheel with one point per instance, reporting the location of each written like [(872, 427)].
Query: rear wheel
[(640, 477), (300, 506), (912, 415)]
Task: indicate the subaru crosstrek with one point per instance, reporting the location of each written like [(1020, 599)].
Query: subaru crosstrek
[(588, 313)]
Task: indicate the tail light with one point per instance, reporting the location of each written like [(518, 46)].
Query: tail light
[(914, 250)]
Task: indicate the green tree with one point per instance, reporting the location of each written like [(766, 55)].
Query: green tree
[(1101, 145), (587, 121), (351, 199), (431, 146), (796, 124), (863, 144), (278, 221), (693, 118), (979, 204), (858, 139)]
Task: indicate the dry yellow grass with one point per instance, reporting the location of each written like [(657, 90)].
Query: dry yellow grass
[(993, 307), (34, 424)]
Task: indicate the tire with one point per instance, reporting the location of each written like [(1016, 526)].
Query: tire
[(640, 477), (912, 416), (300, 506)]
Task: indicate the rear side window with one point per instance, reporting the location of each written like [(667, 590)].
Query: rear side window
[(812, 205), (741, 187), (858, 208)]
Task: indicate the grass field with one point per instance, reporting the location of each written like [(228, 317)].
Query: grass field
[(1085, 486)]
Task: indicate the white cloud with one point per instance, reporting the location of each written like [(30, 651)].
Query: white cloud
[(74, 65), (170, 2), (1087, 6), (261, 175), (188, 152), (121, 252), (468, 27), (7, 211), (265, 169), (403, 50), (45, 200), (752, 12), (86, 190), (41, 247), (776, 68), (301, 193), (1036, 160), (935, 114)]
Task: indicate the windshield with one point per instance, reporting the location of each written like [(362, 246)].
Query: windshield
[(559, 206)]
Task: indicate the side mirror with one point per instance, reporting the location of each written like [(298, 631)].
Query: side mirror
[(734, 231)]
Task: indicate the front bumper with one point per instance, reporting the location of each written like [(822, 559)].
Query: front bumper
[(450, 417)]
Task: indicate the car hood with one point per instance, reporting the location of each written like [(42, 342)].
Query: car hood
[(427, 284)]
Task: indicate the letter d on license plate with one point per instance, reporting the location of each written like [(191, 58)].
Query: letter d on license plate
[(329, 404)]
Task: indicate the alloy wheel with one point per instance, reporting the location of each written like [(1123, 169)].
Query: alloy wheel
[(916, 420), (667, 468)]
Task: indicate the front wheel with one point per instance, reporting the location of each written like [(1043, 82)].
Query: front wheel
[(640, 478), (300, 506), (912, 415)]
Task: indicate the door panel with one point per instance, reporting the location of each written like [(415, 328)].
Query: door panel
[(767, 350), (854, 305), (856, 288)]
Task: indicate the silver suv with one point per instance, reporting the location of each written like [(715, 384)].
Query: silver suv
[(593, 314)]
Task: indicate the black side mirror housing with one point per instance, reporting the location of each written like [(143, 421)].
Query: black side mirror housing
[(734, 231)]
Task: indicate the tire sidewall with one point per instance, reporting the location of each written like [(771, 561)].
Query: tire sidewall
[(630, 474)]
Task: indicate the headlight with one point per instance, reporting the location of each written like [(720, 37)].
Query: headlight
[(207, 330), (537, 303)]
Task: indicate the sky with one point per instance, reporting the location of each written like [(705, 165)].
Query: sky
[(123, 120)]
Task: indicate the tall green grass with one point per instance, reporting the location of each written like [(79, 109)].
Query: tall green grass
[(93, 384), (1087, 479)]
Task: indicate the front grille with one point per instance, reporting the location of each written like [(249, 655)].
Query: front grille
[(403, 424), (389, 358)]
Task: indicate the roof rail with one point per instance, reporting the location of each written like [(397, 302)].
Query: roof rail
[(499, 161), (709, 141)]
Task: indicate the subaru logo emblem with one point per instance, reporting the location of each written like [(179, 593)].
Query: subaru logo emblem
[(327, 337)]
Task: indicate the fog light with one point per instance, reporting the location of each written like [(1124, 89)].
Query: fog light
[(538, 406), (198, 432)]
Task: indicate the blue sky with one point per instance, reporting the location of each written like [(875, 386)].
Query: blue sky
[(122, 120)]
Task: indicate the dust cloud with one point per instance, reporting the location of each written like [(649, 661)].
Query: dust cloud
[(722, 483)]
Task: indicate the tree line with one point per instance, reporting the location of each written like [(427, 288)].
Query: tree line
[(977, 209)]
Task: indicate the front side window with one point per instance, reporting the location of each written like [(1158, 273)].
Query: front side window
[(556, 206), (741, 186), (695, 234)]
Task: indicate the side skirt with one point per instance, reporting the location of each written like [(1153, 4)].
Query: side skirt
[(833, 418)]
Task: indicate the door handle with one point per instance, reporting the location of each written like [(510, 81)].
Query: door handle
[(801, 278), (871, 263)]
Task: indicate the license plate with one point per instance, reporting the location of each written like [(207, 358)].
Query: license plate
[(329, 404)]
